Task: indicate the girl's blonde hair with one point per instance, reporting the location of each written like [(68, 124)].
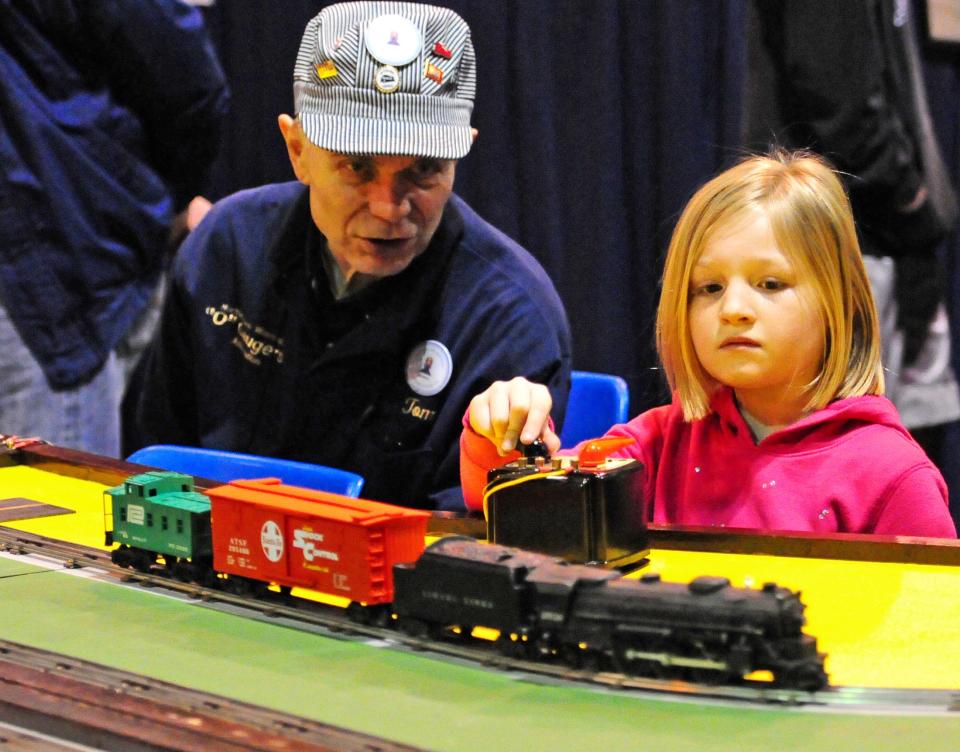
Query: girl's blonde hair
[(812, 224)]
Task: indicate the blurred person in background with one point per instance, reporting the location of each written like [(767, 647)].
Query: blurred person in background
[(845, 80), (110, 114)]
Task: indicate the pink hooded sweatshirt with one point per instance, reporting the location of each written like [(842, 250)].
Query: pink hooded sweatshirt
[(851, 468)]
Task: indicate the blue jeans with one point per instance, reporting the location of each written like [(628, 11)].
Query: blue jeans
[(86, 417), (926, 393)]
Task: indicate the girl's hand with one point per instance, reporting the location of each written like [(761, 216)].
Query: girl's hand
[(511, 409)]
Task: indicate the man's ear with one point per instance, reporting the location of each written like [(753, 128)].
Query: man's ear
[(474, 132), (293, 137)]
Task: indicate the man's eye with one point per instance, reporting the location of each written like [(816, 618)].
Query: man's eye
[(425, 169), (358, 168)]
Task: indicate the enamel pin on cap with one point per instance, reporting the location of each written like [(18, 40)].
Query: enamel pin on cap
[(429, 367), (441, 51), (392, 40), (387, 79), (327, 69), (432, 72)]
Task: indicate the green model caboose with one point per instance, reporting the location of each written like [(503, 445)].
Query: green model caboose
[(159, 512)]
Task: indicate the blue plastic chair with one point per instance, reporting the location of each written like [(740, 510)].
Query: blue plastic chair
[(217, 464), (597, 401)]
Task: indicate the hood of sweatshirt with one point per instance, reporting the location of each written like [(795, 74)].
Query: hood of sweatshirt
[(826, 424)]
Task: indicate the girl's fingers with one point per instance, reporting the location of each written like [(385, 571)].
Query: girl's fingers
[(499, 401), (519, 396), (480, 416), (511, 411), (537, 414), (551, 440)]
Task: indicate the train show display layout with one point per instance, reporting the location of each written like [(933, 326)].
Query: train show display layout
[(881, 624)]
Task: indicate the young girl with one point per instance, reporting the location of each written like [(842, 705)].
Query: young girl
[(769, 341)]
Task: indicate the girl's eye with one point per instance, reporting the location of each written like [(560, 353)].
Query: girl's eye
[(708, 288), (772, 284)]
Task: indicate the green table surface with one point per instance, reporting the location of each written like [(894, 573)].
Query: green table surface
[(408, 697)]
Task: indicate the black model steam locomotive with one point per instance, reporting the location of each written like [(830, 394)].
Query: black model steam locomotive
[(705, 631)]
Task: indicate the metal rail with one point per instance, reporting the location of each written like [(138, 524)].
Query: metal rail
[(298, 612), (88, 704), (18, 739)]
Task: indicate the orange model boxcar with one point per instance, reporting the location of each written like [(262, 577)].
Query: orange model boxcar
[(296, 537)]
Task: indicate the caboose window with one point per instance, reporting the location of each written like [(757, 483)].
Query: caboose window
[(152, 492), (123, 514), (179, 526), (149, 519), (163, 523)]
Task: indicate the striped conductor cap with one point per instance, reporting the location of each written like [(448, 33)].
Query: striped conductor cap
[(386, 78)]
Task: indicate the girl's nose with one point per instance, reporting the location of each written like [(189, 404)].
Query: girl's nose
[(736, 305)]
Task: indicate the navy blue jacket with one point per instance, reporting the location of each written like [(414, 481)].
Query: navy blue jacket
[(110, 113), (254, 355)]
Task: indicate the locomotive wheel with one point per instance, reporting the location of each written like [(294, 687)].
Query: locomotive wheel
[(521, 649), (357, 613), (202, 573), (259, 589), (238, 586), (806, 676), (571, 656), (697, 649), (506, 646), (647, 667), (208, 578), (183, 570), (245, 587), (592, 661), (122, 556), (380, 616), (377, 616), (651, 669), (588, 660), (708, 677), (142, 560), (413, 627)]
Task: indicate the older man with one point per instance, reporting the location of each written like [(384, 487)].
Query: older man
[(347, 318)]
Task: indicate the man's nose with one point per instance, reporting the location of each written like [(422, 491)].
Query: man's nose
[(387, 200), (736, 304)]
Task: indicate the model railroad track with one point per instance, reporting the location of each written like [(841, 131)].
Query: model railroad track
[(303, 613), (71, 555), (88, 704)]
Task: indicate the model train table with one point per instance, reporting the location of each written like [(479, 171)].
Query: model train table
[(887, 612)]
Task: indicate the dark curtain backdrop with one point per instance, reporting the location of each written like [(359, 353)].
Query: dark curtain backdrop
[(597, 119)]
